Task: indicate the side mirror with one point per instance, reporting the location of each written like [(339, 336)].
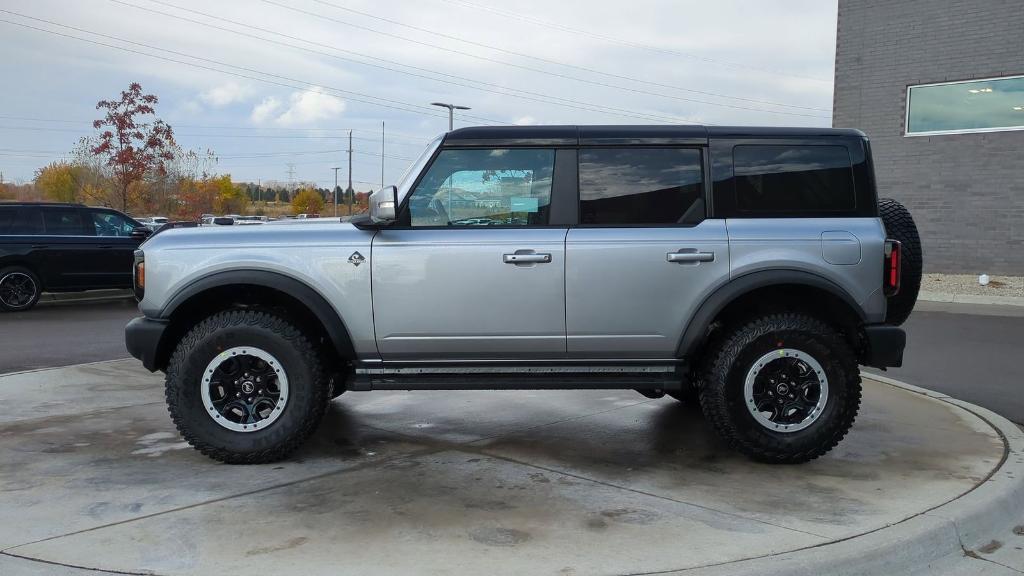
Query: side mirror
[(383, 205), (141, 233)]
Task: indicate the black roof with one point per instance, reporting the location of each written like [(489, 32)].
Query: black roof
[(627, 134), (56, 204)]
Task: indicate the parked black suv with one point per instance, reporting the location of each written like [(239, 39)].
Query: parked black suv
[(62, 248)]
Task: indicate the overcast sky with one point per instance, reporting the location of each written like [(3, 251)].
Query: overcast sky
[(265, 83)]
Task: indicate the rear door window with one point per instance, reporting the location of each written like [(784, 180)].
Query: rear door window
[(793, 179), (66, 222), (7, 214), (641, 186)]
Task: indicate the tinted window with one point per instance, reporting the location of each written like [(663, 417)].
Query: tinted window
[(7, 218), (793, 179), (111, 224), (493, 187), (641, 186), (21, 221), (64, 222)]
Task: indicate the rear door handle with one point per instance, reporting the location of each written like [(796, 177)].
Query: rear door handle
[(532, 258), (683, 257), (40, 246)]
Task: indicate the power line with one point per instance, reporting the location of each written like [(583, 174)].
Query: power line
[(616, 40), (411, 140), (474, 84), (354, 96), (555, 62), (533, 69)]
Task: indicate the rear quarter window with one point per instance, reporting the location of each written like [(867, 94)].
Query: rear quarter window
[(788, 179)]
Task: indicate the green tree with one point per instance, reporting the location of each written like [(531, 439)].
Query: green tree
[(59, 182), (307, 201)]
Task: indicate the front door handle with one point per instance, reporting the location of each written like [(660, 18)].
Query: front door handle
[(529, 258), (686, 256)]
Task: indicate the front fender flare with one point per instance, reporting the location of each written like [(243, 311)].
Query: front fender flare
[(332, 322)]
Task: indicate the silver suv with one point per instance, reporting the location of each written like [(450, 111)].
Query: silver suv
[(748, 269)]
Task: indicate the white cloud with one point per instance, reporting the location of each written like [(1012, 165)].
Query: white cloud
[(303, 109), (264, 110), (225, 94), (526, 121)]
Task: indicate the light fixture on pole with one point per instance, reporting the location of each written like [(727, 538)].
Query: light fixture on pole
[(336, 189), (451, 112)]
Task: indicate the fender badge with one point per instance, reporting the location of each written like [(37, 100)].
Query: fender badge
[(356, 259)]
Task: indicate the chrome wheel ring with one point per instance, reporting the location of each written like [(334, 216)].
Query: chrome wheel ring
[(17, 290), (786, 390), (244, 389)]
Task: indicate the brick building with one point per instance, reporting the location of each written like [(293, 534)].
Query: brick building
[(938, 86)]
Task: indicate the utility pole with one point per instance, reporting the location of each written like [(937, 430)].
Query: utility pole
[(350, 192), (451, 112), (336, 168), (381, 154)]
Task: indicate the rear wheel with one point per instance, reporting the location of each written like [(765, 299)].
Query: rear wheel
[(20, 289), (783, 388), (899, 225), (244, 387)]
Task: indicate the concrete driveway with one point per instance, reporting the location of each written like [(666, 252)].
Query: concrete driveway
[(582, 482)]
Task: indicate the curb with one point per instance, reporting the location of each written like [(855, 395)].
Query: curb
[(949, 297), (951, 531)]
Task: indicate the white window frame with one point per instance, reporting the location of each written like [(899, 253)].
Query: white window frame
[(906, 116)]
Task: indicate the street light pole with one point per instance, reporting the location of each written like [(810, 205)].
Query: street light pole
[(451, 112), (336, 189)]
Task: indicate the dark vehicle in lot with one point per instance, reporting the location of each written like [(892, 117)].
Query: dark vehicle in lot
[(48, 247)]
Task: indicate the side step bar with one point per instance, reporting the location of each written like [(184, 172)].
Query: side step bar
[(518, 381)]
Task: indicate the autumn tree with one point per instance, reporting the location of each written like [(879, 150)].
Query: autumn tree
[(307, 201), (131, 147), (59, 182), (231, 198)]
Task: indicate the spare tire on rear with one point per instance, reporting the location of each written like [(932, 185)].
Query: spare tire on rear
[(899, 225)]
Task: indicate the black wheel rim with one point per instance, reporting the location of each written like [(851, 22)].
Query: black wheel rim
[(244, 389), (786, 390), (17, 290)]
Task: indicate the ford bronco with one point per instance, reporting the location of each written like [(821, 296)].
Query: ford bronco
[(748, 269)]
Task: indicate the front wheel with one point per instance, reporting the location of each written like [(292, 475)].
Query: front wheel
[(784, 388), (245, 387)]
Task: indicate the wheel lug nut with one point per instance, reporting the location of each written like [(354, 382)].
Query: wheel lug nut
[(238, 394), (250, 399)]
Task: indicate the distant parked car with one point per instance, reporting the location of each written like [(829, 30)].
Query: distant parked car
[(246, 220), (63, 248)]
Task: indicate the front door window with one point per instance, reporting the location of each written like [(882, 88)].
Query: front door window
[(484, 187)]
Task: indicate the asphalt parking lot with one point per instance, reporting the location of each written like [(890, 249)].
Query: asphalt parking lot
[(968, 352)]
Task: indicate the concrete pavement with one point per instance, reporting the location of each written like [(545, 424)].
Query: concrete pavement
[(561, 482)]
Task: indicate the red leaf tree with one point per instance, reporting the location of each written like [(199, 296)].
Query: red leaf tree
[(131, 147)]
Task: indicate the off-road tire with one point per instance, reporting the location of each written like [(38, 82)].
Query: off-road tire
[(899, 225), (722, 395), (308, 386), (4, 272)]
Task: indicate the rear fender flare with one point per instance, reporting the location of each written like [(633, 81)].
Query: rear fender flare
[(696, 329)]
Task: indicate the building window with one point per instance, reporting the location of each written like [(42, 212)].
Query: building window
[(989, 105)]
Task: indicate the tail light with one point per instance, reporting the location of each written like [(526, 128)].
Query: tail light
[(893, 267), (139, 275)]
